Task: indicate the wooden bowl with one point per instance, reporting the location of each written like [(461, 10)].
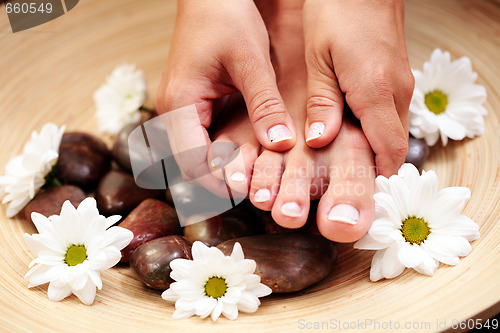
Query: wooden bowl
[(50, 72)]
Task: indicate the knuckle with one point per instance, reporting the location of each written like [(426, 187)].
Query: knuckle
[(166, 98), (408, 85), (264, 106), (399, 148), (320, 103), (381, 79)]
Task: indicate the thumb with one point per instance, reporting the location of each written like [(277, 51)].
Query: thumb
[(254, 77)]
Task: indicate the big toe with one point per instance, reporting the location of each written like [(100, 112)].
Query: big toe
[(346, 210)]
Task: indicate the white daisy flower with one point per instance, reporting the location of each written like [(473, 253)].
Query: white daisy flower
[(72, 248), (417, 226), (25, 174), (119, 99), (213, 284), (446, 102)]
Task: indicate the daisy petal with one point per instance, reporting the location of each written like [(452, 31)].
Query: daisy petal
[(217, 310), (181, 268), (199, 251), (87, 293), (461, 226), (376, 267), (369, 243), (248, 303), (261, 290), (410, 255), (169, 295), (427, 266), (205, 306), (391, 267), (237, 253), (57, 293), (448, 245), (230, 311), (178, 314)]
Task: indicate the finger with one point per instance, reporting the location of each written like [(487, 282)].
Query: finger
[(254, 76), (190, 150), (325, 101), (376, 110)]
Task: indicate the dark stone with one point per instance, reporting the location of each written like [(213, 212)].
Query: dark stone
[(192, 199), (118, 194), (83, 160), (151, 260), (271, 227), (49, 201), (120, 150), (237, 222), (418, 152), (150, 220), (287, 262)]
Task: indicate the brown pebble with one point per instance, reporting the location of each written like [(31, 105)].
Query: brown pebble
[(287, 262), (150, 220), (83, 160), (118, 194), (151, 260), (49, 201), (237, 222)]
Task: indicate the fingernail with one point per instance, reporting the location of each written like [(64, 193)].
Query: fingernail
[(238, 177), (291, 209), (262, 195), (216, 163), (315, 131), (344, 213), (279, 133)]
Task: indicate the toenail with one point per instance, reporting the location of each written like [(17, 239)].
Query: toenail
[(315, 131), (216, 163), (291, 209), (279, 133), (344, 213), (262, 195), (238, 177)]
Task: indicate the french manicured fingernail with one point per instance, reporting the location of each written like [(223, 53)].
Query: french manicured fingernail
[(238, 177), (315, 131), (262, 195), (344, 213), (291, 209), (279, 133), (216, 163)]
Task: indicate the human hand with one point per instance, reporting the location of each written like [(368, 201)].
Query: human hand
[(216, 50), (357, 48)]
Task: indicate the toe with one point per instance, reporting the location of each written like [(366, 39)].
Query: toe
[(222, 151), (238, 172), (346, 210), (266, 179), (291, 207)]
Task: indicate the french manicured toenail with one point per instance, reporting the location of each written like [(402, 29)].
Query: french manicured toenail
[(238, 177), (344, 213), (216, 163), (279, 133), (315, 130), (291, 209), (262, 195)]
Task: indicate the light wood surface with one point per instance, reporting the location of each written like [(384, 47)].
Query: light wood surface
[(49, 73)]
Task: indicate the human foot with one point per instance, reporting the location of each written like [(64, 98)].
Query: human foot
[(341, 173)]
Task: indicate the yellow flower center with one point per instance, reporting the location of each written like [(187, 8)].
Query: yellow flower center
[(76, 254), (215, 287), (415, 230), (436, 101)]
